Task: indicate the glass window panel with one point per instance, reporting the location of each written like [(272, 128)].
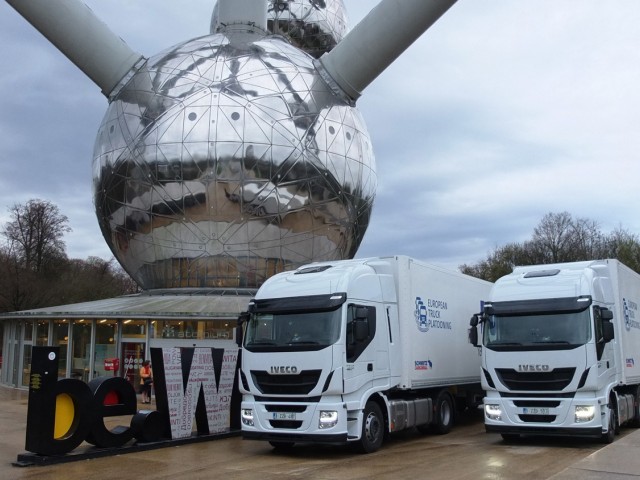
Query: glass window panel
[(28, 331), (60, 339), (81, 349), (134, 328), (193, 329), (26, 365), (106, 335), (132, 358), (42, 333)]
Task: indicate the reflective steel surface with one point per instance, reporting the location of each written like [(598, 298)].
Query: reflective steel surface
[(226, 159), (314, 26)]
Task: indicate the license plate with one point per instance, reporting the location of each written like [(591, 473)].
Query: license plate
[(535, 411), (283, 416)]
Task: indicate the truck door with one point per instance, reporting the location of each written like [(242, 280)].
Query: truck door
[(360, 347), (605, 352)]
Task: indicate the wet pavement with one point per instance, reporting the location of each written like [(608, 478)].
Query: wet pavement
[(466, 453)]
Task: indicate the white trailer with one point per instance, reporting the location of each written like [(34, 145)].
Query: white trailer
[(349, 351), (561, 350)]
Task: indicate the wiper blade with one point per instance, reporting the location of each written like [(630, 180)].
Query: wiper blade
[(260, 342), (303, 342), (501, 344)]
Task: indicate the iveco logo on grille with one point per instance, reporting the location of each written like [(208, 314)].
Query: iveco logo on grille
[(533, 368), (284, 370)]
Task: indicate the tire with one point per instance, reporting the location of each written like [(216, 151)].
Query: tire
[(424, 428), (372, 433), (281, 446), (443, 413), (610, 435), (635, 422), (510, 437)]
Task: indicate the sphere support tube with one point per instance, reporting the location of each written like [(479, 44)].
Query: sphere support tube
[(250, 14), (74, 29), (381, 37)]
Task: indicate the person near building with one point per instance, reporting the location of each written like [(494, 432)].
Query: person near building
[(146, 381)]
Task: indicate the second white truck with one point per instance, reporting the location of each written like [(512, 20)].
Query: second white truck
[(350, 351), (561, 350)]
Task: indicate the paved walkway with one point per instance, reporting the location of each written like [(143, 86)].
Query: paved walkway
[(618, 461)]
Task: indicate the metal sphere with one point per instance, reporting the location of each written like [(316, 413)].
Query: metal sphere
[(315, 26), (226, 159)]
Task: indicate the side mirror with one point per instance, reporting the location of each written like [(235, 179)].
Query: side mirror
[(474, 321), (473, 335), (606, 314), (607, 330), (243, 318), (362, 313)]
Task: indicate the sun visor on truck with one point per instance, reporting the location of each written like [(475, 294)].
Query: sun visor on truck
[(539, 306), (316, 303)]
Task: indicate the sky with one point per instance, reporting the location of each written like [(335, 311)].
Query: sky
[(501, 112)]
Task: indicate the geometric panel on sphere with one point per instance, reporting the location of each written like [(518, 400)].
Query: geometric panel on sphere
[(227, 159), (311, 25)]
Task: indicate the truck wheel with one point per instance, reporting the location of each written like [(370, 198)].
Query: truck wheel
[(281, 445), (635, 422), (443, 413), (610, 436), (372, 429), (510, 437)]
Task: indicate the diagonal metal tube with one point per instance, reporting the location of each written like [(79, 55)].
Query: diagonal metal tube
[(381, 37), (75, 30)]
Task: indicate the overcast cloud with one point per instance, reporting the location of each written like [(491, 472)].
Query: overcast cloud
[(502, 112)]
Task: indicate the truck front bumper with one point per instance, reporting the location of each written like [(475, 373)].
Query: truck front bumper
[(544, 416), (592, 432), (335, 439), (295, 422)]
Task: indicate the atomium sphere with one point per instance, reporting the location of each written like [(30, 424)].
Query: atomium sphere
[(315, 26), (226, 159)]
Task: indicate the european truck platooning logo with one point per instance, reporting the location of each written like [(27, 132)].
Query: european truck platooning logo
[(429, 314), (630, 311)]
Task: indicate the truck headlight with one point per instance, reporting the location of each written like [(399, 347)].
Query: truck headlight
[(328, 419), (585, 413), (493, 412), (247, 417)]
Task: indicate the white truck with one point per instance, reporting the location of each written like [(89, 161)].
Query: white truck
[(561, 350), (349, 351)]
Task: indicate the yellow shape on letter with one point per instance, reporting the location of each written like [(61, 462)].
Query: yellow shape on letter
[(65, 412)]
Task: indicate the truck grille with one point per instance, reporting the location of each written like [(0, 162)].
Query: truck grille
[(537, 418), (555, 380), (300, 384), (537, 403), (290, 424)]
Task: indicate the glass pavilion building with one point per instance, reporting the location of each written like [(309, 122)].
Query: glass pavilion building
[(94, 337)]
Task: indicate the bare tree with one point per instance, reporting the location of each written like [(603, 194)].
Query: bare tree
[(35, 233), (588, 241), (559, 238), (553, 238), (35, 267)]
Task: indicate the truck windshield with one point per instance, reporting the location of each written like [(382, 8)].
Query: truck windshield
[(292, 331), (560, 331)]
